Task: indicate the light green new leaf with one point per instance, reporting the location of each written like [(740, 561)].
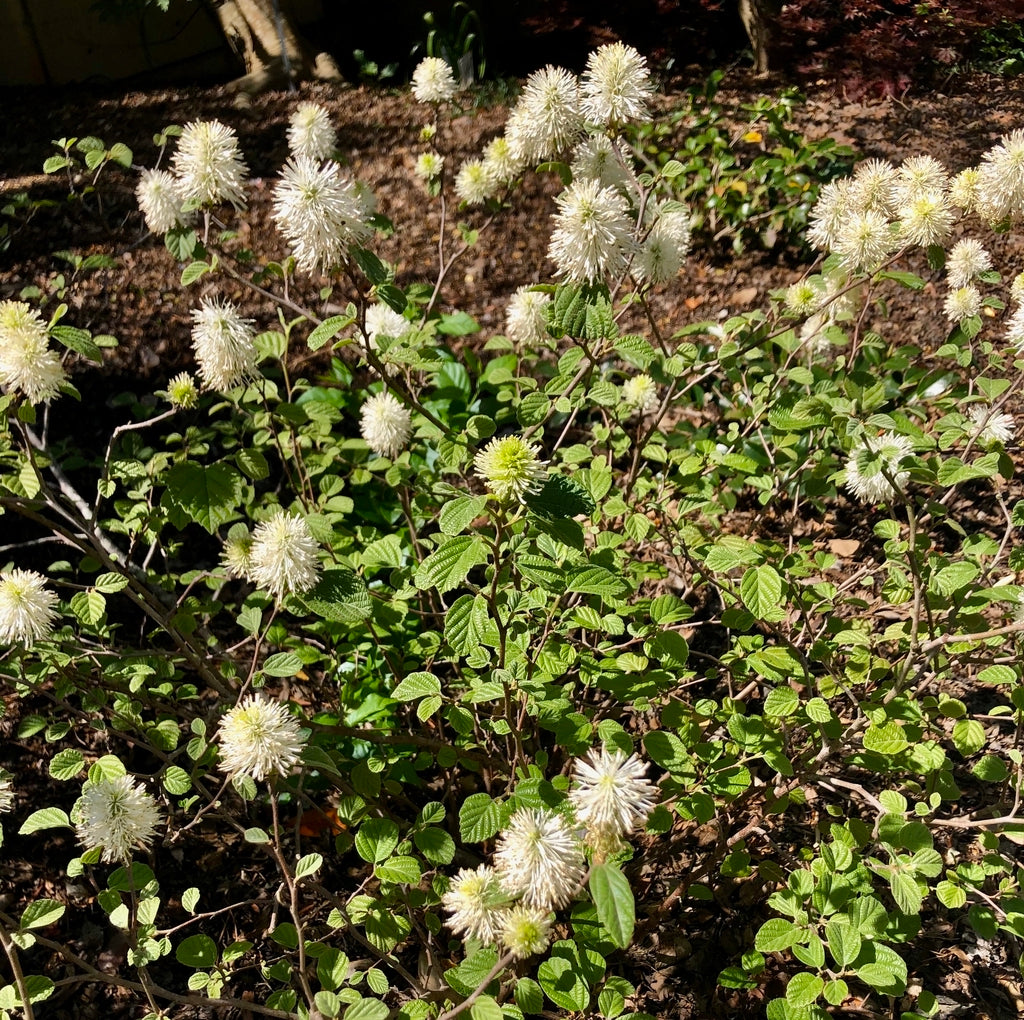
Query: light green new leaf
[(613, 898)]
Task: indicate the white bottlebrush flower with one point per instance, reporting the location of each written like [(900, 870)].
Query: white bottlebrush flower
[(236, 556), (224, 344), (1017, 289), (1015, 328), (612, 794), (812, 333), (209, 166), (433, 81), (385, 425), (804, 297), (967, 258), (616, 86), (547, 117), (283, 558), (499, 162), (829, 214), (875, 186), (640, 394), (962, 303), (525, 323), (864, 240), (477, 904), (160, 201), (26, 607), (429, 165), (319, 211), (258, 737), (871, 460), (598, 158), (926, 219), (918, 175), (525, 931), (26, 361), (661, 253), (117, 815), (311, 133), (6, 791), (474, 183), (1001, 179), (991, 426), (963, 189), (540, 858), (182, 391), (593, 233), (510, 468), (382, 320)]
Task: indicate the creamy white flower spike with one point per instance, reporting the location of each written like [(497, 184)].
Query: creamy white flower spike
[(963, 189), (966, 259), (540, 859), (27, 364), (962, 303), (525, 323), (925, 220), (1015, 328), (875, 186), (258, 737), (612, 794), (320, 213), (311, 133), (182, 391), (593, 234), (160, 200), (474, 183), (616, 86), (830, 212), (477, 904), (385, 425), (115, 814), (383, 321), (919, 175), (547, 118), (864, 240), (991, 426), (208, 165), (1001, 179), (870, 460), (640, 394), (510, 468), (598, 158), (499, 161), (433, 81), (661, 252), (525, 931), (26, 607), (236, 556), (429, 165), (283, 558), (224, 344)]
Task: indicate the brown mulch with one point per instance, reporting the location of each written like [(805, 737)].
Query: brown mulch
[(142, 302)]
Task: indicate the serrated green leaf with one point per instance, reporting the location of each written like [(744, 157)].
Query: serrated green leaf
[(256, 835), (41, 914), (282, 664), (197, 951), (89, 607), (563, 985), (951, 895), (340, 596), (888, 739), (310, 864), (486, 1008), (417, 685), (844, 941), (193, 271), (402, 870), (803, 989), (761, 592), (66, 764), (44, 818), (479, 818), (613, 898), (110, 583), (449, 564), (327, 330), (968, 736), (465, 623), (190, 899), (457, 514), (376, 839), (775, 935), (905, 892), (207, 495)]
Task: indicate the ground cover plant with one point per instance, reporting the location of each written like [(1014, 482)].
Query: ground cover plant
[(450, 649)]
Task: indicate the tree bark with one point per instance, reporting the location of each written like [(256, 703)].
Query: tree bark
[(758, 18), (273, 52)]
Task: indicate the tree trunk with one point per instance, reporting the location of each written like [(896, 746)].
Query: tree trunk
[(274, 53), (758, 20)]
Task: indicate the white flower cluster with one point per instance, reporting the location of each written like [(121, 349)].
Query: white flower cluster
[(27, 363), (117, 815), (26, 607), (540, 860), (258, 737), (280, 556)]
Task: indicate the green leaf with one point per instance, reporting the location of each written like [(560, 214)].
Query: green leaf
[(197, 951), (44, 818), (89, 607), (308, 865), (775, 935), (449, 564), (110, 583), (367, 1009), (328, 330), (176, 781), (465, 623), (486, 1008), (533, 409), (66, 764), (208, 496), (457, 514), (803, 989), (193, 271), (340, 597), (529, 995), (781, 702), (417, 685), (613, 898), (844, 941), (282, 664), (990, 769), (256, 835), (78, 340), (376, 839), (888, 739), (190, 899), (968, 736), (402, 870), (479, 818), (253, 464), (435, 844), (905, 892), (181, 243), (563, 985), (560, 497), (761, 592), (951, 895), (41, 914), (595, 580), (883, 968)]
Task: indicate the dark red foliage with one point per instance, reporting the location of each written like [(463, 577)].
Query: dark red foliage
[(884, 45)]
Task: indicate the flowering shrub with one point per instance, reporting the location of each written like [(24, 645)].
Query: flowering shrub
[(451, 655)]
